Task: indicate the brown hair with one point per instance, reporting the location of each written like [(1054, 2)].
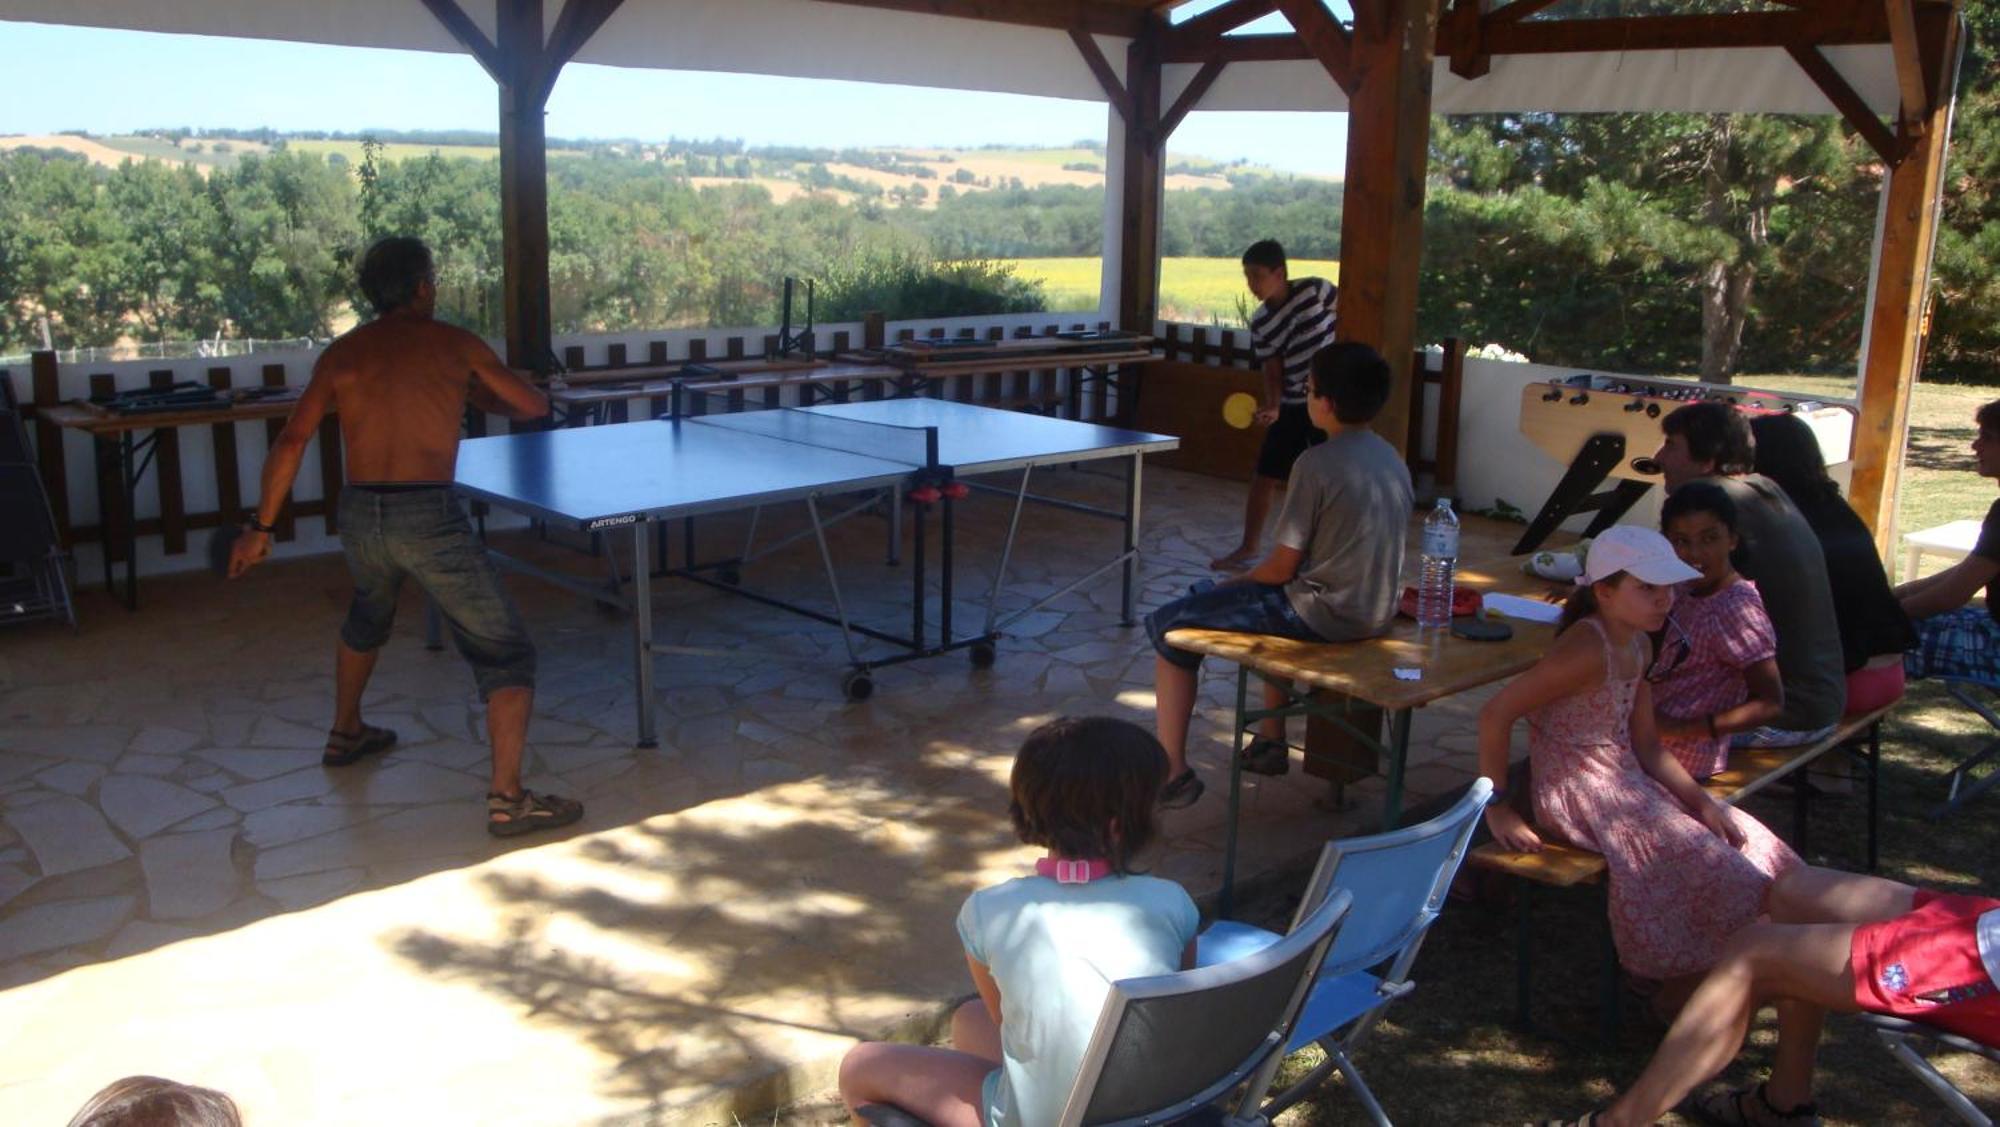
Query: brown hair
[(150, 1101), (1988, 416), (1716, 433), (1582, 602), (1085, 787)]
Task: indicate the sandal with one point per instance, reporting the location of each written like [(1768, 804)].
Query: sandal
[(1267, 757), (527, 812), (344, 749), (1750, 1107), (1585, 1120)]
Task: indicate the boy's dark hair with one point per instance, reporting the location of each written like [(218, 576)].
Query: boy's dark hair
[(1711, 498), (150, 1101), (1988, 417), (392, 270), (1788, 453), (1267, 253), (1715, 432), (1355, 377), (1076, 777)]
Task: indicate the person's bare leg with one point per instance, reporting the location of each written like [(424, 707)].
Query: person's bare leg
[(1173, 710), (1804, 963), (1812, 895), (1791, 1080), (1256, 507), (351, 670), (973, 1031), (507, 713), (1274, 697), (939, 1086)]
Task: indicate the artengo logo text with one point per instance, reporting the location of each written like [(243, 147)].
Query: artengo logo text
[(613, 522)]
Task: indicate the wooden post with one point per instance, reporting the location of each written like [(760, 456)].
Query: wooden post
[(1895, 319), (524, 184), (1382, 216), (1139, 205)]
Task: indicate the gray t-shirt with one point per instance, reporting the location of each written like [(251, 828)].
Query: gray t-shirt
[(1783, 557), (1348, 510)]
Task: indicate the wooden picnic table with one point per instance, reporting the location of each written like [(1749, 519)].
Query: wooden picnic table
[(1325, 679), (588, 395)]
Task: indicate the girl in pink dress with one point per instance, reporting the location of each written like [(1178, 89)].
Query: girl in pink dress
[(1717, 668), (1686, 871)]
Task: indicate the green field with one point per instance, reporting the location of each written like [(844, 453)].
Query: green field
[(1197, 290), (153, 148)]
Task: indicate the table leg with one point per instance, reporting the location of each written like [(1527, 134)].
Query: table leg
[(642, 630), (1399, 751), (944, 577), (1132, 481), (1223, 901), (129, 518), (106, 449)]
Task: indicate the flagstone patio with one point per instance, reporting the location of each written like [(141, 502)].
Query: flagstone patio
[(185, 891)]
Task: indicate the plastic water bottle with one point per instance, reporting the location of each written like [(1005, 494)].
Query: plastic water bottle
[(1440, 561)]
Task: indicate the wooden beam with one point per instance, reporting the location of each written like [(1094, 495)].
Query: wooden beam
[(1894, 351), (1114, 90), (524, 185), (1101, 18), (1190, 97), (1204, 29), (1382, 213), (1832, 25), (1902, 19), (454, 19), (1140, 187), (1470, 59), (1324, 38), (1518, 10), (1886, 144), (579, 20)]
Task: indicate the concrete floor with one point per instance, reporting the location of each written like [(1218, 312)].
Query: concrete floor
[(184, 891)]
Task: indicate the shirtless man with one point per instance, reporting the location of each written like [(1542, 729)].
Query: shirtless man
[(400, 384)]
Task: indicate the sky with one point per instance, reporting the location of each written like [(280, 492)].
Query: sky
[(139, 80)]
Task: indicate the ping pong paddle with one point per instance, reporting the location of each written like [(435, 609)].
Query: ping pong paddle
[(1239, 410), (221, 543)]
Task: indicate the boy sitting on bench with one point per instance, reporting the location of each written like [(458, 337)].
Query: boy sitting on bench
[(1334, 574)]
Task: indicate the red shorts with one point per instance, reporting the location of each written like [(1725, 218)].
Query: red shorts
[(1925, 966)]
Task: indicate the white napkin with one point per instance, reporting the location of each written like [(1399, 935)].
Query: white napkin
[(1528, 610)]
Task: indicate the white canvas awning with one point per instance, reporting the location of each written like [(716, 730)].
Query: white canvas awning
[(814, 39)]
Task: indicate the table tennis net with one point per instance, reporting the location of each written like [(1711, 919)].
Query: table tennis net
[(911, 445)]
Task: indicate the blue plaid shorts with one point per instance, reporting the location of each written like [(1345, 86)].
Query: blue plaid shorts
[(1247, 608), (1962, 644)]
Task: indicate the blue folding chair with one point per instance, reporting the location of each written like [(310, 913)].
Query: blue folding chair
[(1182, 1047), (1898, 1037), (1399, 881), (1963, 788)]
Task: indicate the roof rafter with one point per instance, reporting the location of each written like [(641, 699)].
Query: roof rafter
[(1211, 25), (1189, 99), (1098, 16), (1322, 38), (1100, 67), (580, 19), (1902, 19), (469, 36), (1887, 145)]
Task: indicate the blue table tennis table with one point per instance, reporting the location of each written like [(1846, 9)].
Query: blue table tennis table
[(640, 476)]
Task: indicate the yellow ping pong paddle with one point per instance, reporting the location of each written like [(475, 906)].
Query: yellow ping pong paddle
[(1239, 410)]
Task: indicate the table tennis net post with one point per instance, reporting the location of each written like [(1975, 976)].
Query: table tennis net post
[(913, 445)]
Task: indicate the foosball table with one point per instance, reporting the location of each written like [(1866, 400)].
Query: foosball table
[(1609, 427)]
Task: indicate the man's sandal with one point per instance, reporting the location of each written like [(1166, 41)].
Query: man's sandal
[(1750, 1107), (344, 749), (1267, 757), (528, 812)]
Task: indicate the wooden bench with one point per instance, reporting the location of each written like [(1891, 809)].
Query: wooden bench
[(1750, 770)]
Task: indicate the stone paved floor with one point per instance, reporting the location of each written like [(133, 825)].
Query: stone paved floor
[(184, 891)]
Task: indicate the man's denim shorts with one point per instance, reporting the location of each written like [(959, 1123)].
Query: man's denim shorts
[(424, 534), (1248, 608)]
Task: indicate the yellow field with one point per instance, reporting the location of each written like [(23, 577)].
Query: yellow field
[(399, 151), (1200, 290)]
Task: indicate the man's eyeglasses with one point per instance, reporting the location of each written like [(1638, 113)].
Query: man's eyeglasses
[(1671, 650)]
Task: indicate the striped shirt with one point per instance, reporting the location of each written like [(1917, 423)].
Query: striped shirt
[(1294, 330)]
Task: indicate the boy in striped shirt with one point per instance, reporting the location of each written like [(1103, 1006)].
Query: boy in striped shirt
[(1294, 321)]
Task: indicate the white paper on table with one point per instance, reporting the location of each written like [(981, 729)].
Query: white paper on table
[(1408, 673), (1529, 610)]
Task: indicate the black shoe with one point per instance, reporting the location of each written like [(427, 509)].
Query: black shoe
[(1267, 757), (1182, 790)]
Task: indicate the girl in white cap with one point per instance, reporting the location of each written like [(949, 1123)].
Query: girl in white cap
[(1686, 871)]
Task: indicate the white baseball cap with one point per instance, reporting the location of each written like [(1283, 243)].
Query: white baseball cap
[(1637, 550)]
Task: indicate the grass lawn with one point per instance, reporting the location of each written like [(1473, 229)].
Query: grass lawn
[(1197, 290)]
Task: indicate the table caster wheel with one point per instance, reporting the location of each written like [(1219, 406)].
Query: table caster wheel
[(983, 655), (858, 685)]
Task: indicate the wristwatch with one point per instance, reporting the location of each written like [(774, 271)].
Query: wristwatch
[(255, 525)]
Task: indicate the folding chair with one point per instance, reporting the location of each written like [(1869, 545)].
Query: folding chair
[(1170, 1048), (1896, 1036), (1399, 881), (33, 582), (1968, 692)]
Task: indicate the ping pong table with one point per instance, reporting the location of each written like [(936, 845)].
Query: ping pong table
[(639, 476)]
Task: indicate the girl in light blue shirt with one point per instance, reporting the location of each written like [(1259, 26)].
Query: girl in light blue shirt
[(1045, 949)]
